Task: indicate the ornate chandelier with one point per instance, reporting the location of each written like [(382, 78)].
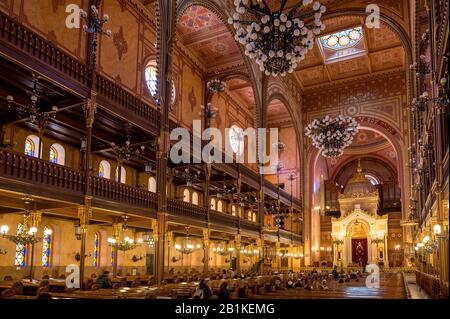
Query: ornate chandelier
[(126, 244), (32, 112), (127, 151), (25, 235), (216, 85), (188, 247), (223, 250), (277, 40), (332, 135)]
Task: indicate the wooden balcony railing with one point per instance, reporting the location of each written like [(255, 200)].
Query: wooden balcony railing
[(111, 94), (249, 225), (26, 42), (33, 170), (180, 208), (289, 235), (224, 219), (107, 189)]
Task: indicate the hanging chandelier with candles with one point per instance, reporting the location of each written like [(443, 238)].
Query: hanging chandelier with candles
[(26, 234), (332, 135), (187, 246), (278, 39), (216, 85), (223, 250), (126, 244), (32, 111), (128, 150)]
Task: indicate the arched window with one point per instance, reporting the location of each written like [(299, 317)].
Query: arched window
[(220, 206), (112, 256), (31, 144), (233, 210), (249, 215), (186, 195), (152, 184), (57, 154), (195, 198), (20, 249), (213, 203), (373, 180), (123, 175), (151, 78), (254, 217), (104, 169), (46, 246), (96, 249)]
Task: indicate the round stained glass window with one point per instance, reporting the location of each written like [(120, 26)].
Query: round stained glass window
[(151, 78)]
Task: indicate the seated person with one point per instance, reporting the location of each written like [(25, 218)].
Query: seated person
[(103, 280), (335, 273), (323, 285)]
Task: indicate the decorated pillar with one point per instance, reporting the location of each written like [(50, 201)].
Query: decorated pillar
[(237, 243), (165, 12), (84, 215), (205, 250)]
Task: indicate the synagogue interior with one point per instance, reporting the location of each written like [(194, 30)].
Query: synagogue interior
[(96, 203)]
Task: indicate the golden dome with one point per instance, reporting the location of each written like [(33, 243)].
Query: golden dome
[(359, 184)]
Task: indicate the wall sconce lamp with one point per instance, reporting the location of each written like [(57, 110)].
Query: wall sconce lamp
[(176, 259), (137, 258), (78, 256)]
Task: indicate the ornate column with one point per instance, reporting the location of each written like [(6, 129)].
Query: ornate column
[(117, 228), (165, 12), (34, 220), (237, 242), (84, 215), (205, 250)]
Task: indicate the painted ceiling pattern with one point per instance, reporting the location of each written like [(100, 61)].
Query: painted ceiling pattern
[(372, 50), (196, 18)]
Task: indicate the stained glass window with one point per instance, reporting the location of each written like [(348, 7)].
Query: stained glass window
[(29, 147), (53, 155), (342, 39), (101, 170), (152, 184), (96, 249), (151, 77), (112, 257), (20, 250), (46, 246)]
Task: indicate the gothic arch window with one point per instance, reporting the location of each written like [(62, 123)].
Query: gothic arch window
[(20, 249), (220, 206), (57, 154), (96, 249), (31, 143), (104, 169), (46, 246), (151, 79), (213, 203), (152, 184), (195, 198), (186, 195), (233, 210), (123, 175)]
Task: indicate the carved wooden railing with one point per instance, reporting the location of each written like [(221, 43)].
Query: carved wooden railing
[(289, 235), (107, 189), (219, 218), (32, 170), (249, 225), (180, 208), (26, 41), (126, 102)]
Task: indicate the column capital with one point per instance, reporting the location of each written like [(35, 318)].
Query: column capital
[(35, 218)]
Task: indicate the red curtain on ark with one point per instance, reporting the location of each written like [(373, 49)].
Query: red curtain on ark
[(359, 251)]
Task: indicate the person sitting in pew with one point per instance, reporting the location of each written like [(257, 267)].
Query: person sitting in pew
[(103, 281)]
